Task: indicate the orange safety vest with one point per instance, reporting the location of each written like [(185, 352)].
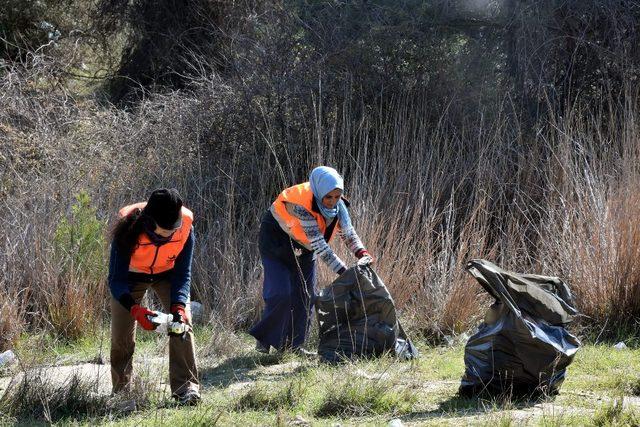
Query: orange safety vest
[(282, 211), (151, 259)]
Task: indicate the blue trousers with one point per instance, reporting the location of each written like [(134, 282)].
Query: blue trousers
[(288, 293)]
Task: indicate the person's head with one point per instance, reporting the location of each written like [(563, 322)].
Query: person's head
[(327, 186), (160, 218), (163, 211), (331, 199)]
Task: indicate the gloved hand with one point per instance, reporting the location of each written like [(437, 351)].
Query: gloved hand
[(140, 314), (364, 257), (179, 314), (180, 325)]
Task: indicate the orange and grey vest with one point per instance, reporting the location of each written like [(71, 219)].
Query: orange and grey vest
[(151, 259), (282, 211)]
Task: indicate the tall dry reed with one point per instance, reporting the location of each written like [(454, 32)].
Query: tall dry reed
[(426, 197)]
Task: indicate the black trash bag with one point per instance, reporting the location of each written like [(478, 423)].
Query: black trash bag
[(357, 318), (522, 347)]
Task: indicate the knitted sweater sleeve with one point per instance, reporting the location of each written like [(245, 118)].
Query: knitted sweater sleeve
[(351, 238), (318, 244)]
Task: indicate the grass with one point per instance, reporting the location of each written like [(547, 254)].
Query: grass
[(247, 388), (264, 396), (357, 397), (36, 397), (616, 414), (603, 369)]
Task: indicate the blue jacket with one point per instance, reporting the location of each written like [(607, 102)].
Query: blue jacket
[(120, 278)]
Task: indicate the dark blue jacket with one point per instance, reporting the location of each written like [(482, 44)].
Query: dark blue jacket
[(120, 278)]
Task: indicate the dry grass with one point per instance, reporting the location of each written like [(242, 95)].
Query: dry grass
[(35, 397), (426, 198)]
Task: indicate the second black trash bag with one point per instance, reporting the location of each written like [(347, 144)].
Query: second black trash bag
[(357, 317), (522, 347)]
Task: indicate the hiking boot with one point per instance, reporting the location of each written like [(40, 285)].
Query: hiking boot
[(188, 398), (261, 348)]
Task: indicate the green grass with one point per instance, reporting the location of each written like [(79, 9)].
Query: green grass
[(266, 396), (355, 397), (603, 369), (248, 388), (616, 414)]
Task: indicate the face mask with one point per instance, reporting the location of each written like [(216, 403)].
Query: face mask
[(156, 239)]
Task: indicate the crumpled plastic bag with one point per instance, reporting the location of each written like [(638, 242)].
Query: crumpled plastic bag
[(523, 346), (357, 318)]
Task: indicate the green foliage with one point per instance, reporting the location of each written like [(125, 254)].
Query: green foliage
[(629, 385), (79, 248), (79, 241), (616, 414)]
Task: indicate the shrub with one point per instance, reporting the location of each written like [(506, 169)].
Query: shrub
[(79, 241), (76, 305)]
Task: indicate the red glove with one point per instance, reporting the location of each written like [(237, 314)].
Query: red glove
[(364, 257), (179, 314), (363, 253), (140, 314)]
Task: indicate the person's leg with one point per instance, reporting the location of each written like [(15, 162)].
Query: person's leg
[(183, 370), (123, 336), (274, 327), (302, 296)]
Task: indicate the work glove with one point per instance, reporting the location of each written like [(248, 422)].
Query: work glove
[(179, 314), (142, 315), (181, 322), (364, 257)]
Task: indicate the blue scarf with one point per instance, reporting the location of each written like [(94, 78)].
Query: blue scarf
[(323, 180)]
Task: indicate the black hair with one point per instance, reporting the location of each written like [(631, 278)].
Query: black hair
[(126, 231)]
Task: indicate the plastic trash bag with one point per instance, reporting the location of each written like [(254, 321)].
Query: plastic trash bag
[(522, 347), (357, 318)]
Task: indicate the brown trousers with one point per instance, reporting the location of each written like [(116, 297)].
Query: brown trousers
[(183, 372)]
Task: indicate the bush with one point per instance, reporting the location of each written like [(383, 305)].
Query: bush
[(76, 305), (79, 241), (439, 170)]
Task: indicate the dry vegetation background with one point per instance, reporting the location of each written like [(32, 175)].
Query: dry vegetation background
[(470, 129)]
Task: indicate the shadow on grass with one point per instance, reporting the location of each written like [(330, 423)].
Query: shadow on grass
[(459, 406), (240, 369)]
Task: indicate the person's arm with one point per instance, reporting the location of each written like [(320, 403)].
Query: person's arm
[(349, 235), (181, 275), (118, 277), (316, 238), (352, 240)]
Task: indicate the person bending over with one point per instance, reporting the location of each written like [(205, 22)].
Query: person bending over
[(294, 232), (152, 248)]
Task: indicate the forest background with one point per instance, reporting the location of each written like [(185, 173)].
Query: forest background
[(505, 130)]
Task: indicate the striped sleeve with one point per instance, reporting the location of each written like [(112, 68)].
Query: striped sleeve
[(351, 239), (318, 244)]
